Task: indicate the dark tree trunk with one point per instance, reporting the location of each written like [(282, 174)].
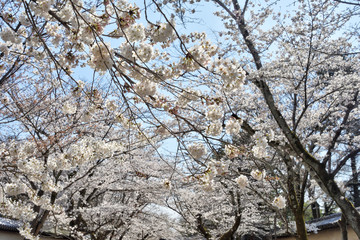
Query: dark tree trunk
[(343, 227), (230, 233), (299, 220), (296, 205), (315, 210), (355, 182), (202, 228)]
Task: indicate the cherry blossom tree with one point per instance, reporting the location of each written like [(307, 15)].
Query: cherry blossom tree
[(298, 103), (76, 167), (283, 77), (224, 201)]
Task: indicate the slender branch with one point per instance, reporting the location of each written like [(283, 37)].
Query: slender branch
[(202, 228), (349, 108), (344, 160), (346, 2)]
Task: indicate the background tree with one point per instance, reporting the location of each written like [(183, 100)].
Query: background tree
[(53, 170)]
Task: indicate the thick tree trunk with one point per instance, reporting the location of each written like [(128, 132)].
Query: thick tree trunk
[(343, 227), (297, 207), (229, 234), (300, 225), (39, 221), (355, 182), (322, 177)]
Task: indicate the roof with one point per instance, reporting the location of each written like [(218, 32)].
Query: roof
[(9, 224), (328, 221)]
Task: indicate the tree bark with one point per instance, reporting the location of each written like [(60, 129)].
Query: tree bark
[(229, 234), (300, 225), (297, 207), (343, 227), (315, 210), (39, 221), (355, 182), (202, 228)]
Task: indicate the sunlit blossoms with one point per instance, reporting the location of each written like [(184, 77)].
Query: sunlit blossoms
[(279, 202), (214, 112), (259, 150), (260, 139), (135, 32), (69, 108), (144, 53), (163, 32), (232, 151), (18, 209), (127, 51), (33, 168), (197, 150), (233, 126), (101, 57), (7, 35), (231, 73), (187, 96), (197, 57), (242, 181), (146, 87), (219, 167), (111, 105), (41, 8), (13, 189), (207, 183), (258, 175), (214, 129)]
